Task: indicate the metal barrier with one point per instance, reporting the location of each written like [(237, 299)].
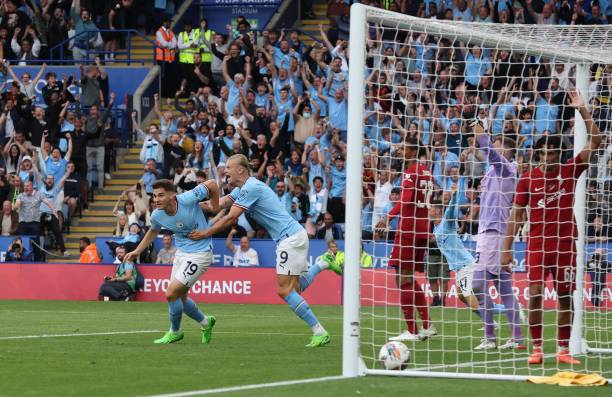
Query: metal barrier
[(57, 53)]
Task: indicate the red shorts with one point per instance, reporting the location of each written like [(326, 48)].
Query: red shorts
[(409, 254), (559, 262)]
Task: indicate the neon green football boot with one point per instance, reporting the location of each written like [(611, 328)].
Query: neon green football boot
[(170, 337), (319, 340), (331, 263), (207, 331)]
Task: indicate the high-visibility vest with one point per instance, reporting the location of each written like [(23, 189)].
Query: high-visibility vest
[(187, 55), (207, 55), (165, 54)]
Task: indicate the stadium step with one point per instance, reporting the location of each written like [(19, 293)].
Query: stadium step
[(311, 26)]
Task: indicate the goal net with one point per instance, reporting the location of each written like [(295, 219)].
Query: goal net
[(456, 114)]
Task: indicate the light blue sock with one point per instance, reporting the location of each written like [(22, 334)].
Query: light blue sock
[(499, 308), (478, 313), (175, 312), (191, 309), (309, 277), (301, 308)]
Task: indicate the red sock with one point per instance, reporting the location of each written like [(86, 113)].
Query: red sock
[(420, 301), (407, 302), (536, 334), (563, 335)]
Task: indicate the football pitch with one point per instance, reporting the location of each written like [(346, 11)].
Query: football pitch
[(57, 348)]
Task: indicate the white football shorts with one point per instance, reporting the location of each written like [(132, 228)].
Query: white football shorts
[(189, 266), (464, 279), (292, 255)]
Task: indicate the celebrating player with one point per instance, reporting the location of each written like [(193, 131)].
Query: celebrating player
[(496, 193), (292, 271), (548, 190), (411, 241), (181, 214), (458, 257)]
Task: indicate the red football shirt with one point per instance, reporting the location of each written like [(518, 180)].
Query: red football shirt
[(413, 206), (550, 198)]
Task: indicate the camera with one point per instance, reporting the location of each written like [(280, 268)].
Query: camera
[(15, 247)]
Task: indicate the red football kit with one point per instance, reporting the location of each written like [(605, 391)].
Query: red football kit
[(412, 235), (552, 228)]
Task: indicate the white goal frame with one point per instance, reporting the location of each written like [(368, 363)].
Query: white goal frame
[(552, 42)]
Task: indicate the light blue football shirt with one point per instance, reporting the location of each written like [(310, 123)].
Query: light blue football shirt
[(448, 240), (265, 207), (189, 216)]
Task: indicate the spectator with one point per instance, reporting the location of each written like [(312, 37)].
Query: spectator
[(55, 164), (92, 81), (123, 284), (95, 142), (598, 268), (89, 252), (72, 189), (86, 34), (16, 252), (26, 86), (122, 227), (28, 49), (336, 183), (50, 209), (10, 219), (318, 205), (295, 211), (28, 204), (329, 230), (172, 152), (244, 255), (166, 254), (598, 231), (188, 45), (117, 19), (150, 176), (152, 146)]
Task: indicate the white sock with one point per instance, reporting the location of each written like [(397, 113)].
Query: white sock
[(204, 322), (318, 329)]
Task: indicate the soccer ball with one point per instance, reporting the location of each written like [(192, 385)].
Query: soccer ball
[(394, 356)]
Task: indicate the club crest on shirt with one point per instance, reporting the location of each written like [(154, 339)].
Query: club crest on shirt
[(179, 225)]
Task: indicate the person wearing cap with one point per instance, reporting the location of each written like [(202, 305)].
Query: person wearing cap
[(28, 171)]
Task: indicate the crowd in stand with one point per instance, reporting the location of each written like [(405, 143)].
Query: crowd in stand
[(283, 104)]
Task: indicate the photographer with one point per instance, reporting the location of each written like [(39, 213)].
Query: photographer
[(123, 283), (16, 252)]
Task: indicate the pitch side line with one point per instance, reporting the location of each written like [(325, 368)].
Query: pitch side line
[(145, 332), (154, 314), (248, 387)]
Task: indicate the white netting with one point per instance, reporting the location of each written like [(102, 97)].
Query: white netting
[(427, 80)]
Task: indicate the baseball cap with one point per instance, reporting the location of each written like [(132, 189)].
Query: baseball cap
[(295, 200), (26, 158)]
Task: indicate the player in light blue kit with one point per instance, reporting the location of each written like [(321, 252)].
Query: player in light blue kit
[(291, 239), (182, 214), (458, 257)]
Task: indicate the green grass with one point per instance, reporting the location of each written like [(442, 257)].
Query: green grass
[(251, 344)]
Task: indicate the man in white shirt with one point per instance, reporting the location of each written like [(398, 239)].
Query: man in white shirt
[(244, 255)]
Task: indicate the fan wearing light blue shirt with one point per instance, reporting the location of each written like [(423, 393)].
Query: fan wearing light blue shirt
[(181, 214), (292, 272)]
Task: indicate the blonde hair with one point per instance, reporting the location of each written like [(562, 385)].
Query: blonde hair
[(241, 160)]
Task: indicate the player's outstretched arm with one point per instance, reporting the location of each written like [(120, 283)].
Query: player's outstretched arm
[(517, 217), (218, 226), (146, 241), (213, 190), (593, 133)]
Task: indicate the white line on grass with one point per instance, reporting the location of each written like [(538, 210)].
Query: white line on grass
[(145, 332), (249, 387), (473, 363), (114, 314)]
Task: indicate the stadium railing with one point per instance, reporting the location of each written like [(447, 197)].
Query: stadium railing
[(58, 52)]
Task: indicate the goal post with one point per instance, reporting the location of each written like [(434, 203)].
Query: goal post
[(370, 297)]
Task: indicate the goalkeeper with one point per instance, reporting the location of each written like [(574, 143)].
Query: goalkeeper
[(458, 257), (335, 258)]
